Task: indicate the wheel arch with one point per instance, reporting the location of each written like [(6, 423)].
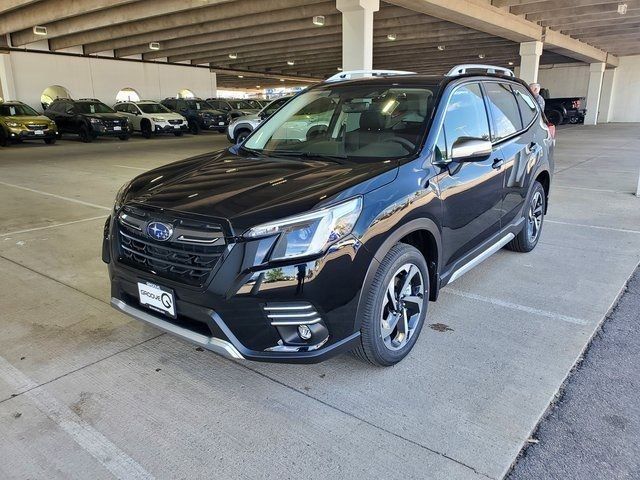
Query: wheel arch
[(544, 178), (423, 234)]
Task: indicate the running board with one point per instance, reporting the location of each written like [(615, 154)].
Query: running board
[(474, 262)]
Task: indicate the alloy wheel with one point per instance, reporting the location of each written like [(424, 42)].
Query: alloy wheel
[(401, 307), (535, 216)]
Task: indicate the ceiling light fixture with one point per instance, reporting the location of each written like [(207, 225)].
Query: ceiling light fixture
[(291, 63), (233, 56), (510, 63), (154, 46), (339, 69), (257, 86), (441, 47), (282, 79), (318, 20), (481, 55), (391, 36), (40, 30), (240, 76), (622, 8)]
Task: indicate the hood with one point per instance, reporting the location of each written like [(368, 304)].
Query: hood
[(30, 120), (249, 190), (166, 116), (248, 118), (105, 116), (247, 111), (211, 111)]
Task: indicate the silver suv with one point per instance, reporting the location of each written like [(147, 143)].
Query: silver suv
[(241, 127)]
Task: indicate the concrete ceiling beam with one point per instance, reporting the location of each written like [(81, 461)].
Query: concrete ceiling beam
[(45, 12), (172, 23), (206, 25)]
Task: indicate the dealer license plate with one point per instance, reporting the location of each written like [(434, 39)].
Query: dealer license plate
[(157, 298)]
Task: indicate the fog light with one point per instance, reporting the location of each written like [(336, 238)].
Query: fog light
[(304, 331)]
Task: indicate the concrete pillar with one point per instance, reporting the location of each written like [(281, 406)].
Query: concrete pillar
[(606, 95), (7, 83), (357, 33), (530, 61), (596, 71)]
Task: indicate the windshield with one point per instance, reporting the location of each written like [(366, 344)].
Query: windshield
[(153, 108), (198, 105), (254, 104), (348, 121), (275, 105), (240, 104), (93, 107), (17, 111)]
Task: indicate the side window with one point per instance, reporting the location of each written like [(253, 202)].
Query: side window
[(527, 104), (181, 105), (503, 109), (119, 108), (131, 108), (170, 104), (465, 116)]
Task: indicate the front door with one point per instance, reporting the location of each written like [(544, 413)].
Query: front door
[(471, 191)]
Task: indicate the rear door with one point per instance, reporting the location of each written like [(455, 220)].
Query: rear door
[(471, 191), (516, 142)]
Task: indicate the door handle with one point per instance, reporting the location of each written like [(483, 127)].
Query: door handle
[(497, 163)]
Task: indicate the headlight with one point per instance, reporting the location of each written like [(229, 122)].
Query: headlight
[(310, 233), (157, 119), (14, 124), (120, 196)]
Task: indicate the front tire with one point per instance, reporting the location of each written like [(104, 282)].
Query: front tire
[(395, 307), (124, 138), (194, 128), (536, 207), (50, 141), (242, 135), (4, 139), (146, 129), (85, 135)]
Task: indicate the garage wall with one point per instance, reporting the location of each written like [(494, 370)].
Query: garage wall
[(565, 80), (103, 78), (625, 102)]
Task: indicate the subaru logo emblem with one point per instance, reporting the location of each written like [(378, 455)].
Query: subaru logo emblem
[(159, 231)]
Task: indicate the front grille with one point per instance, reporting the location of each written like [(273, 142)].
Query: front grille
[(37, 127), (175, 122), (188, 257)]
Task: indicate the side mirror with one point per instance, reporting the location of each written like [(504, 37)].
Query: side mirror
[(467, 149)]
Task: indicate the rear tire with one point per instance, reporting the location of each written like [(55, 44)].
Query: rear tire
[(555, 117), (394, 307), (535, 209)]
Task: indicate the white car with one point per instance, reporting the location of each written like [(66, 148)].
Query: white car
[(151, 118), (241, 127)]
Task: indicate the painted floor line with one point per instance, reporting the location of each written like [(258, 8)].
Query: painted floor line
[(613, 229), (591, 189), (115, 460), (55, 225), (516, 306), (133, 168), (74, 200)]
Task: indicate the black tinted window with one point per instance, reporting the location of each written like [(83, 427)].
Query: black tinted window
[(527, 104), (466, 115), (504, 109)]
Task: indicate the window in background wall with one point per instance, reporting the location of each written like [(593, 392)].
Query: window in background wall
[(53, 93), (185, 93), (127, 95)]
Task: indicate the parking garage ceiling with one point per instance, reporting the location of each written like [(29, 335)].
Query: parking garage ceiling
[(275, 43)]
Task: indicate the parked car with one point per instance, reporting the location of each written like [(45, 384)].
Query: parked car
[(293, 251), (233, 107), (241, 127), (199, 114), (564, 110), (20, 122), (89, 118), (152, 118)]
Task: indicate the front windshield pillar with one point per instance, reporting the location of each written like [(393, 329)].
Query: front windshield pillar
[(357, 33)]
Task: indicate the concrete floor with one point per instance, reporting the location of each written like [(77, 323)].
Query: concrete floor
[(88, 393)]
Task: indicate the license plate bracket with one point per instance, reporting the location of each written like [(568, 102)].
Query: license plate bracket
[(158, 298)]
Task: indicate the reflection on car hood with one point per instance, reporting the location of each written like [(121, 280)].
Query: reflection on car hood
[(166, 116), (28, 119), (250, 190), (105, 116)]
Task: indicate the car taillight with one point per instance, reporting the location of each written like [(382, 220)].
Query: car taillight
[(552, 130)]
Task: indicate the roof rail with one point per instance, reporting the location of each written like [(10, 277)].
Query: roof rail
[(462, 69), (88, 99), (351, 74)]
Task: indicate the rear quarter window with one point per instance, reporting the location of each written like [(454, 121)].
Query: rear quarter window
[(503, 109), (526, 103)]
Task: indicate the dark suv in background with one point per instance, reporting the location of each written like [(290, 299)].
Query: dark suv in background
[(338, 219), (89, 118), (199, 114)]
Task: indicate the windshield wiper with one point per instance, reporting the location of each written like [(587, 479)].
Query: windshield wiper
[(309, 155)]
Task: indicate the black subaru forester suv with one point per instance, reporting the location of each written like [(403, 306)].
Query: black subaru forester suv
[(331, 229)]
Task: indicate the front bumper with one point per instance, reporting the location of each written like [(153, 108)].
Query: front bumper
[(166, 127), (110, 132), (19, 134), (230, 314)]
